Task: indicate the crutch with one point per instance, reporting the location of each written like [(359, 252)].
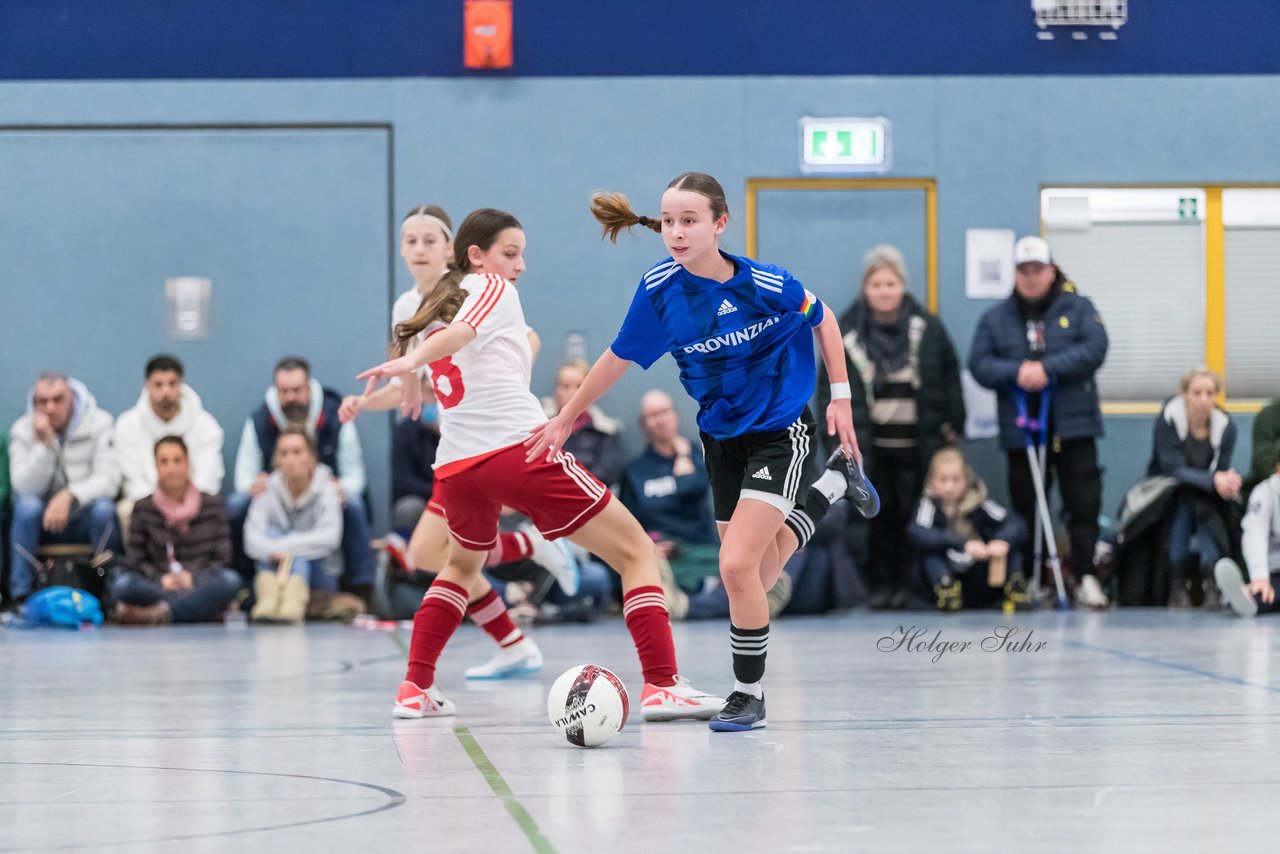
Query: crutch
[(1036, 433)]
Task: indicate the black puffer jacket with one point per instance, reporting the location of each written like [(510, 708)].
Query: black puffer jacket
[(1075, 348)]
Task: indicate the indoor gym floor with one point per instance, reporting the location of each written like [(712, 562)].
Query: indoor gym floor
[(1133, 731)]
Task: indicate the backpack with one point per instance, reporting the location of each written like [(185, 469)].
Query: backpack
[(61, 606)]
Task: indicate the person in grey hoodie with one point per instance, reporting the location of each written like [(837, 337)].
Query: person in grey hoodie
[(64, 475), (296, 520)]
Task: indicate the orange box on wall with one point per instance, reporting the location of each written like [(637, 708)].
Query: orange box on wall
[(486, 41)]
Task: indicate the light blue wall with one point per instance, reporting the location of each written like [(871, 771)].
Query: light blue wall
[(538, 147)]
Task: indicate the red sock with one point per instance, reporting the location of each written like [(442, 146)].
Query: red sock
[(645, 610), (437, 619), (510, 547), (490, 613)]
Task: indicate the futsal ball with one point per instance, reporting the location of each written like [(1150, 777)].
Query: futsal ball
[(587, 705)]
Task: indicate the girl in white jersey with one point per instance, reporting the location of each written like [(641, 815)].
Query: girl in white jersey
[(480, 366), (426, 246)]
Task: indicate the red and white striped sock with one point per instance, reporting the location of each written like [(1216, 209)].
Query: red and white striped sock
[(489, 612), (510, 547), (645, 610), (438, 617)]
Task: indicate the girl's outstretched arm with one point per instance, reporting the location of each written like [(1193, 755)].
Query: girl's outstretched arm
[(387, 397), (437, 346), (548, 439)]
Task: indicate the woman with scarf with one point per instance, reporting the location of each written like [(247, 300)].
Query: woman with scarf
[(180, 545), (907, 404)]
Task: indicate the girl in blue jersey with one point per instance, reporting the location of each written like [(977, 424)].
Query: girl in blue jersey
[(740, 330)]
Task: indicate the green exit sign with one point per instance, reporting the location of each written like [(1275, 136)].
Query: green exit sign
[(844, 145)]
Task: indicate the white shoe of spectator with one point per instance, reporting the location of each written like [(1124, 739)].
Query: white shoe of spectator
[(1089, 594), (1227, 573), (556, 558)]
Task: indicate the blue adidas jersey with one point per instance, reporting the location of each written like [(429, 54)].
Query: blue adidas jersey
[(744, 347)]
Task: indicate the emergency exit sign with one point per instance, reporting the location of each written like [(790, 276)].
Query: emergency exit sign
[(844, 145)]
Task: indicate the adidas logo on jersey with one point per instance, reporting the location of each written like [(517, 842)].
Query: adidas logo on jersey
[(763, 474), (726, 307)]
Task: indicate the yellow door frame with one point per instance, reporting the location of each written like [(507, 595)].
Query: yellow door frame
[(1215, 281), (927, 185)]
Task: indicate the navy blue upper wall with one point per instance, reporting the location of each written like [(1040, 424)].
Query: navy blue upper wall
[(228, 39)]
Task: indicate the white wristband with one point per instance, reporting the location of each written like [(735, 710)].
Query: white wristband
[(840, 391)]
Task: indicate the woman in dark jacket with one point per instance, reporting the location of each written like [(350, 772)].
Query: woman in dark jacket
[(907, 404), (180, 548), (1192, 443)]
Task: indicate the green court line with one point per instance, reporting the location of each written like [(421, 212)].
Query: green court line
[(500, 788), (491, 776), (399, 641)]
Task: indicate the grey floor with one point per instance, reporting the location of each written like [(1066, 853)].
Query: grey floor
[(1127, 731)]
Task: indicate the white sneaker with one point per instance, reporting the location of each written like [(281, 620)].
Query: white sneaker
[(520, 659), (415, 702), (556, 558), (680, 700), (1089, 593), (1227, 573)]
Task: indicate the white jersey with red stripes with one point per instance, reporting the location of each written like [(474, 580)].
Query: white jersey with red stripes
[(483, 389)]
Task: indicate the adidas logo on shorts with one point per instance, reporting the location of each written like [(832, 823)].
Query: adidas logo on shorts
[(726, 307), (763, 474)]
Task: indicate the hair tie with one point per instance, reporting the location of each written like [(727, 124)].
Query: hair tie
[(643, 220)]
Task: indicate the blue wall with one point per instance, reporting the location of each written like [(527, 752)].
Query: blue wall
[(537, 147), (136, 39)]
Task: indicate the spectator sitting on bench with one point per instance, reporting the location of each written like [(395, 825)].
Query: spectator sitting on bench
[(64, 476), (179, 547)]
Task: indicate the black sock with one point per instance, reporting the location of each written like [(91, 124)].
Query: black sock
[(804, 520), (749, 647)]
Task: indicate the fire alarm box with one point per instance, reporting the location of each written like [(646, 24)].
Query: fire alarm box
[(486, 41)]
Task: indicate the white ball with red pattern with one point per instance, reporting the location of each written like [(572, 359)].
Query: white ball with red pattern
[(587, 705)]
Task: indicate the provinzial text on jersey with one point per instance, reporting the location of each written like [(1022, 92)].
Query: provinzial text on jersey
[(732, 339)]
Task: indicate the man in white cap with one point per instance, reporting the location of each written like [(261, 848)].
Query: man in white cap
[(1048, 339)]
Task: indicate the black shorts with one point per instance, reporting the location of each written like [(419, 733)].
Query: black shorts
[(776, 463)]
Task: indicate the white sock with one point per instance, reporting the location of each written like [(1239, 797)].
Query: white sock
[(832, 485), (755, 689)]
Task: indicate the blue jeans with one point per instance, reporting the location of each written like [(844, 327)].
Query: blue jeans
[(356, 553), (312, 569), (1185, 533), (212, 592), (93, 524)]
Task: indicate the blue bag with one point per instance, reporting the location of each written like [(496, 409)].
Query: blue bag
[(62, 606)]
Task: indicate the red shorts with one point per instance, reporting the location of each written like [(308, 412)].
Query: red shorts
[(559, 497)]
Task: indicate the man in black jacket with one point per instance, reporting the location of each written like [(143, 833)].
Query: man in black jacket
[(1048, 339)]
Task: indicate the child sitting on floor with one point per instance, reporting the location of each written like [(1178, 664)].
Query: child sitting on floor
[(967, 545)]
